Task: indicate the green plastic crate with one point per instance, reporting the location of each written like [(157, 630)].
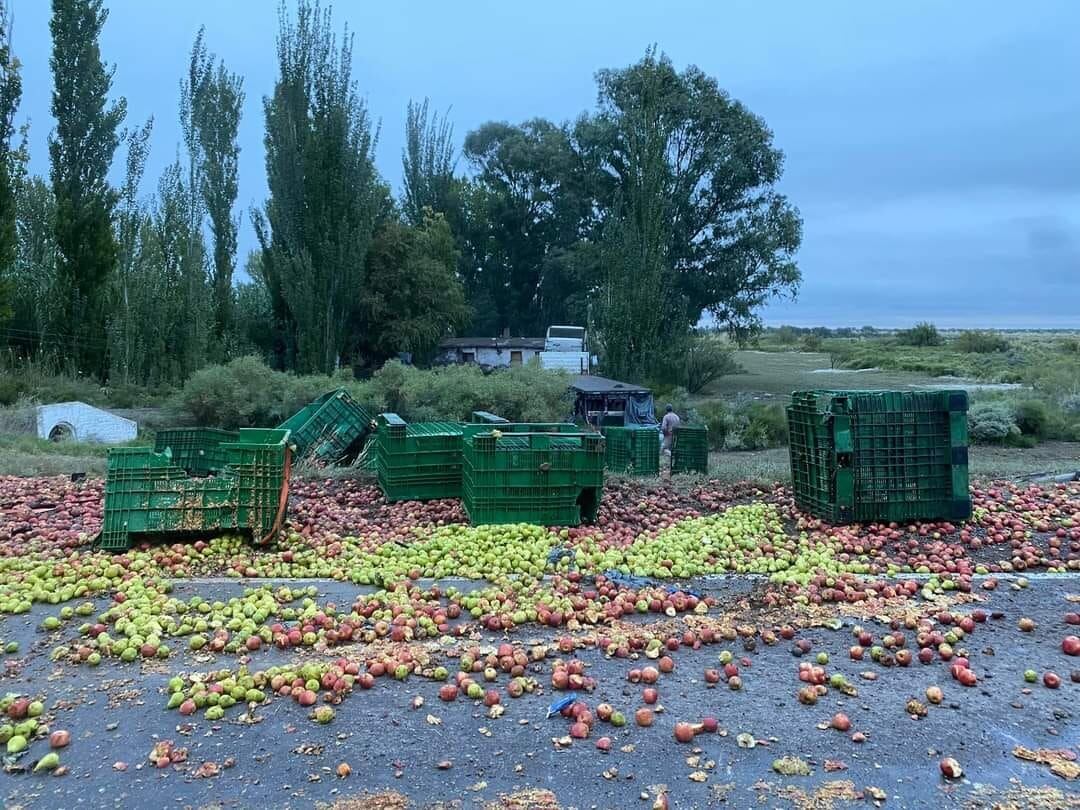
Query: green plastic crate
[(419, 461), (880, 455), (196, 450), (690, 449), (147, 495), (550, 478), (485, 418), (327, 428), (632, 450)]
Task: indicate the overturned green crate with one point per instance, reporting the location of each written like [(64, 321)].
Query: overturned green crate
[(690, 449), (880, 455), (147, 495), (328, 428), (550, 478), (632, 450), (196, 450)]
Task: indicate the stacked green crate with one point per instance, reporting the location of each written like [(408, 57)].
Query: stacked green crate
[(146, 494), (198, 450), (419, 461), (327, 428), (632, 450), (552, 478), (690, 449), (880, 455)]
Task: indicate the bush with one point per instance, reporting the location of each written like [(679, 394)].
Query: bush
[(992, 422), (811, 343), (975, 341), (1032, 417), (521, 394), (749, 426), (247, 393), (34, 384), (694, 362), (716, 418), (922, 334)]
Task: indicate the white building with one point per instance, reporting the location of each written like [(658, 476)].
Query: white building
[(489, 352), (77, 421)]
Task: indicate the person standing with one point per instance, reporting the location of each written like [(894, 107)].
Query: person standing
[(667, 432)]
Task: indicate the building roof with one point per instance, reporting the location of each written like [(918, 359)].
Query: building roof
[(492, 343), (591, 384)]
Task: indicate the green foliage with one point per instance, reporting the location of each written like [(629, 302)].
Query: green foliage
[(10, 93), (980, 342), (412, 297), (1032, 417), (707, 169), (81, 151), (246, 392), (521, 394), (427, 162), (253, 311), (36, 384), (745, 426), (716, 417), (694, 362), (523, 220), (990, 422), (922, 334), (215, 98), (324, 191)]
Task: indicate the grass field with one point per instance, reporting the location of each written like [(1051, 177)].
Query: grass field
[(1049, 458), (772, 374)]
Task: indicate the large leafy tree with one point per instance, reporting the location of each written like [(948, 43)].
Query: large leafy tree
[(324, 191), (526, 212), (656, 209), (213, 98), (412, 298), (81, 150), (695, 177)]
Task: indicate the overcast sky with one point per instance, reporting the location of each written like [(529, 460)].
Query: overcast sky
[(933, 148)]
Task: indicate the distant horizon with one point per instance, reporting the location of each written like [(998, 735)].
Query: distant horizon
[(941, 325)]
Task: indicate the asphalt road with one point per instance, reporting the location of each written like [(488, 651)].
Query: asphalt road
[(116, 713)]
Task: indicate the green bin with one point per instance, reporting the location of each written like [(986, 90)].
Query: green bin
[(880, 455), (147, 495)]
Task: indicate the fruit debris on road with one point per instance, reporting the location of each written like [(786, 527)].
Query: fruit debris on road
[(702, 644)]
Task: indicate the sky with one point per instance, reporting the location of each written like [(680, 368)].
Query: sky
[(932, 148)]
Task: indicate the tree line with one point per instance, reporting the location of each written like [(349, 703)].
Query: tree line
[(638, 218)]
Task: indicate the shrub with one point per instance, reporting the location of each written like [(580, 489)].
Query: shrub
[(1070, 404), (521, 394), (749, 426), (975, 341), (693, 362), (992, 422), (247, 393), (922, 334), (716, 418), (1032, 417), (33, 383), (810, 343)]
